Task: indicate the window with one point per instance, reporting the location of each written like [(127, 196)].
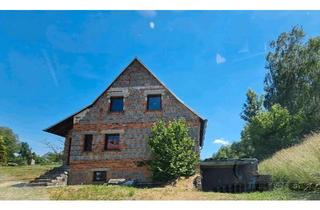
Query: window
[(116, 104), (154, 102), (87, 142), (99, 176), (112, 142)]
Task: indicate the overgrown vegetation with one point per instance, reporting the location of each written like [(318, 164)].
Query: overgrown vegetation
[(12, 151), (173, 151), (289, 108), (299, 164)]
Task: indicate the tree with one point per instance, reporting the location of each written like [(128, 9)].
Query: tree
[(252, 106), (53, 157), (234, 151), (3, 151), (271, 131), (173, 151), (25, 152), (291, 99), (293, 76), (56, 153), (11, 142), (283, 66)]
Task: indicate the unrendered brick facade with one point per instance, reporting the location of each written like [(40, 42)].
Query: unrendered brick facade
[(131, 128)]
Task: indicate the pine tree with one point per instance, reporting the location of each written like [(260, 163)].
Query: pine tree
[(252, 106)]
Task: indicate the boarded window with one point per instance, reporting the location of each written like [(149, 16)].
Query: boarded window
[(116, 104), (154, 102), (87, 142), (99, 176), (112, 142)]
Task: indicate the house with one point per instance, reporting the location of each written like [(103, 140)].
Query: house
[(108, 138)]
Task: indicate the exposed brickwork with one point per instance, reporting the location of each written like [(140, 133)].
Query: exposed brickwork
[(133, 125), (81, 171)]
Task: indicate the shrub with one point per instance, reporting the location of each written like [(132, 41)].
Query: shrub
[(173, 151)]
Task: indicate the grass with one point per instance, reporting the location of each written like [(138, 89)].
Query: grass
[(22, 173), (10, 190), (100, 192), (12, 177), (297, 164)]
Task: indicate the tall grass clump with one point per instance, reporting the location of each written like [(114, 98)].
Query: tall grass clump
[(297, 164)]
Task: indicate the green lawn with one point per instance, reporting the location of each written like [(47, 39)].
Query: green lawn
[(10, 177), (22, 173)]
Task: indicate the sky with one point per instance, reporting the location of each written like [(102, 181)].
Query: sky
[(54, 63)]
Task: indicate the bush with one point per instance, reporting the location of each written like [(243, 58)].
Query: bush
[(173, 151)]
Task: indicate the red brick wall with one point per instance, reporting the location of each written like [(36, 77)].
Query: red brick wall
[(134, 123)]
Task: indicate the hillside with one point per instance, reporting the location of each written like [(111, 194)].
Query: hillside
[(297, 164)]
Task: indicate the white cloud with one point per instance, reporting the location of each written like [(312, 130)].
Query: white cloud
[(221, 141), (220, 59), (148, 13), (152, 25)]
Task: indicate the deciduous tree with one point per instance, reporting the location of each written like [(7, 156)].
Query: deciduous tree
[(173, 151)]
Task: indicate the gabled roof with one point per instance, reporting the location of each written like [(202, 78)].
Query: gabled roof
[(61, 128)]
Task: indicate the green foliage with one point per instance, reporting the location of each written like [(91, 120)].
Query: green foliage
[(291, 99), (234, 151), (3, 151), (271, 131), (53, 157), (25, 152), (173, 151), (10, 143), (252, 106), (293, 76)]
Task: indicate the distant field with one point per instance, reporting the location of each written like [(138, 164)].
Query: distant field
[(297, 164), (12, 177)]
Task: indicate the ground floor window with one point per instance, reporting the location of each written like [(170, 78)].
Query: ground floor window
[(112, 142), (99, 176)]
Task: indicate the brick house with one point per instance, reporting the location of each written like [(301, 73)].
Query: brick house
[(108, 138)]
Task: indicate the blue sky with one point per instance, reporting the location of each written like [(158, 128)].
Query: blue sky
[(54, 63)]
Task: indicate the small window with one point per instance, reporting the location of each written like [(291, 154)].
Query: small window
[(112, 142), (99, 176), (154, 102), (87, 142), (116, 104)]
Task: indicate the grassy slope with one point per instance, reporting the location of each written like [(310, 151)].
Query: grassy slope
[(297, 164)]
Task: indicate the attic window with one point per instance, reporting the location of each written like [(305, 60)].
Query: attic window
[(116, 104), (154, 102)]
